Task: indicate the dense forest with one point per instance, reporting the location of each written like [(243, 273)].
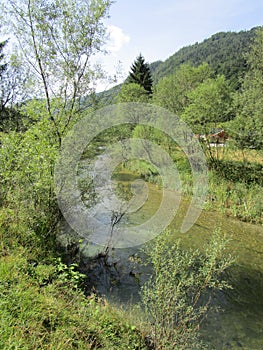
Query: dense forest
[(211, 90), (224, 52)]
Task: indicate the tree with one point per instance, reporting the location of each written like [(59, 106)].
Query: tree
[(248, 125), (141, 74), (209, 104), (172, 92), (57, 40), (132, 93)]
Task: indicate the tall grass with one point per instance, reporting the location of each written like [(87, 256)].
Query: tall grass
[(235, 186), (237, 199)]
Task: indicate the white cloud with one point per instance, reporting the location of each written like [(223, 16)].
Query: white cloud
[(117, 39)]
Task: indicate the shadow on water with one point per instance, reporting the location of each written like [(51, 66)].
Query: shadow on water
[(239, 324)]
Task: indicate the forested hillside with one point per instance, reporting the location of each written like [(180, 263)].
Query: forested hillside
[(224, 52)]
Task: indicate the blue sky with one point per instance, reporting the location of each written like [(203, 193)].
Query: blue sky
[(158, 29)]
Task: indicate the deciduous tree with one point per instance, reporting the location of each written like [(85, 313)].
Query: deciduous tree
[(132, 93), (172, 92), (58, 40), (249, 121), (209, 104)]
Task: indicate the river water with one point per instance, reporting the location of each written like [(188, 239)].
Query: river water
[(239, 325)]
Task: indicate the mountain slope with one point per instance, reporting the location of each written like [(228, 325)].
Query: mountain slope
[(224, 52)]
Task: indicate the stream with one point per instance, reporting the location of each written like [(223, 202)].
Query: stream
[(239, 325)]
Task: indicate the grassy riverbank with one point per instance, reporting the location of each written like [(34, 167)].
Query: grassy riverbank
[(235, 181), (42, 303)]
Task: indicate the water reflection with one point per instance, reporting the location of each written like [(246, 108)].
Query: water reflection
[(119, 278)]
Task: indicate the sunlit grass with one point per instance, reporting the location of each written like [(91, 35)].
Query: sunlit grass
[(232, 153)]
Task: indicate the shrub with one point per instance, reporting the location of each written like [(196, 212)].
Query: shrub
[(177, 296)]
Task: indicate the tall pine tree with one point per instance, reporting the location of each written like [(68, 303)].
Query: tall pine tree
[(141, 74)]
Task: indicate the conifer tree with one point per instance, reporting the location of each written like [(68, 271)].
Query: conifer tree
[(141, 74)]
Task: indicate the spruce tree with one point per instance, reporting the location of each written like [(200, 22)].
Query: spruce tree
[(141, 74)]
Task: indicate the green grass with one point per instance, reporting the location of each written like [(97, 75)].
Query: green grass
[(54, 316), (235, 186), (41, 309), (237, 199)]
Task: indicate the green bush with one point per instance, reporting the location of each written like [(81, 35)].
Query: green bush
[(177, 296)]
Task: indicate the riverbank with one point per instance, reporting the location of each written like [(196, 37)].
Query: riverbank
[(43, 305), (235, 181)]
